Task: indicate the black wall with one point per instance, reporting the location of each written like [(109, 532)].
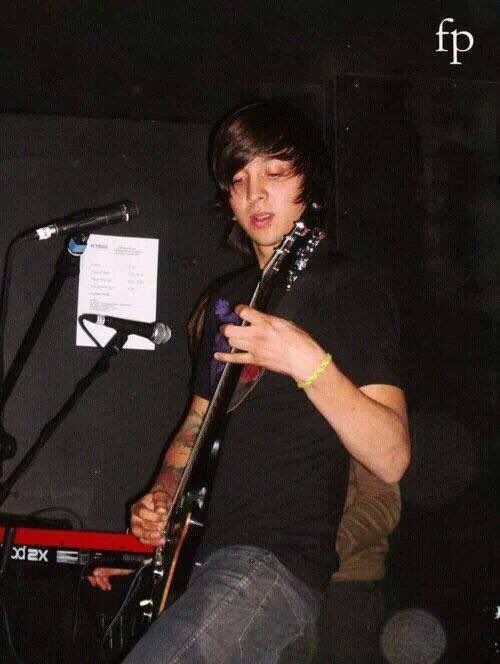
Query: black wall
[(192, 60), (417, 194), (416, 164)]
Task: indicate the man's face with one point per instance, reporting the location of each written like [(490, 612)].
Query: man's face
[(263, 198)]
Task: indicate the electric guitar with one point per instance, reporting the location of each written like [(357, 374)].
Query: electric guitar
[(172, 563)]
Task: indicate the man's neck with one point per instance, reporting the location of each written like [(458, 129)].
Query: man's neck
[(263, 255)]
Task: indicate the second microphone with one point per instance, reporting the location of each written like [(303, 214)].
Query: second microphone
[(158, 333)]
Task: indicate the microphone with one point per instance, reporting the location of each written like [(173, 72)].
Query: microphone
[(86, 220), (158, 333)]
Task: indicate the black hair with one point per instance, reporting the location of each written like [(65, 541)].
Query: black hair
[(275, 129)]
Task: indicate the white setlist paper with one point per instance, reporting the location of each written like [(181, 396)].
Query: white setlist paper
[(118, 277)]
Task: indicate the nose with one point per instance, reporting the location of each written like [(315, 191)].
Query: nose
[(255, 190)]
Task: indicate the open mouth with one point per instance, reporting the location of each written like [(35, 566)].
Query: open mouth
[(261, 219)]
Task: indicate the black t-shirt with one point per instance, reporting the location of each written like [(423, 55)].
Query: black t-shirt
[(282, 471)]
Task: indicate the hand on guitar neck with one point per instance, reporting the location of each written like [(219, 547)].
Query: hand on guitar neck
[(148, 516), (147, 521)]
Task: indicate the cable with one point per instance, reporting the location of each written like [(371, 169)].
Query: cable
[(7, 543), (76, 609), (57, 508), (9, 635), (128, 597), (8, 539), (4, 297), (8, 444)]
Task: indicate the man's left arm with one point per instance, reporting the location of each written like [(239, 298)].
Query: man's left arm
[(370, 420)]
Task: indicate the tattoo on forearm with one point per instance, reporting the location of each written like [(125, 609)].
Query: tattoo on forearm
[(178, 454), (168, 479)]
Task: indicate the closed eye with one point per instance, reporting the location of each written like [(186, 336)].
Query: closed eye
[(277, 174)]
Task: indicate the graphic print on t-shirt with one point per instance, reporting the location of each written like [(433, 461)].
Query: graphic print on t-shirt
[(250, 373)]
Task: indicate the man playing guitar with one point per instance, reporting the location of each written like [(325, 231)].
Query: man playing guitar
[(331, 388)]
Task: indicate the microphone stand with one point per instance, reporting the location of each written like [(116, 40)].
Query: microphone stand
[(67, 265), (112, 348)]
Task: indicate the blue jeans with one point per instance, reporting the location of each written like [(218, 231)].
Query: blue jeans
[(241, 606)]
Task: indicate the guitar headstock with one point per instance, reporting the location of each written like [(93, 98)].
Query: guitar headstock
[(303, 254), (294, 242), (285, 247)]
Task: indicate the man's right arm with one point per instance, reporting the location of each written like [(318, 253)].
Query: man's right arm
[(148, 514)]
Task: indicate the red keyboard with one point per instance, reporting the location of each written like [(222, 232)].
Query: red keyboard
[(76, 547)]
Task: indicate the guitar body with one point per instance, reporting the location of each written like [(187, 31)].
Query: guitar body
[(179, 558), (173, 562)]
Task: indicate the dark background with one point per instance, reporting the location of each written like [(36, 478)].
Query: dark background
[(105, 103)]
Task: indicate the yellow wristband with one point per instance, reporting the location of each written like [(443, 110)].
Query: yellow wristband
[(317, 372)]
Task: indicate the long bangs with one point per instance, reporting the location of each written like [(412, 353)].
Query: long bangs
[(264, 128)]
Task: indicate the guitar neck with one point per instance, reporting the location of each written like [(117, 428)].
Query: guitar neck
[(221, 396)]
